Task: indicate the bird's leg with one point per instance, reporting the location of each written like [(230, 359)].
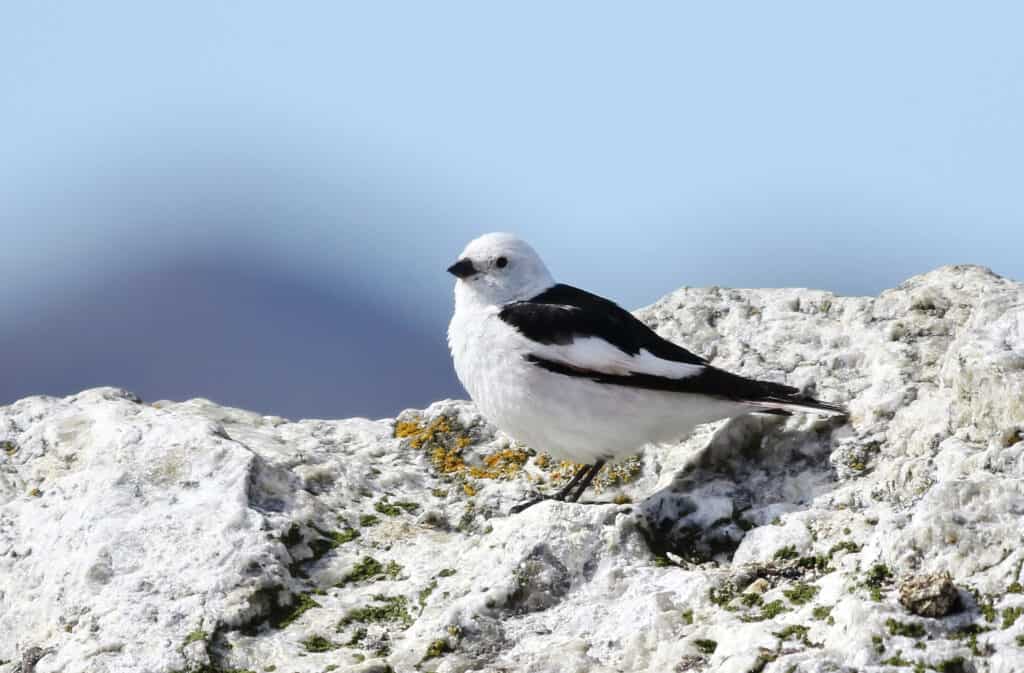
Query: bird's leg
[(564, 491), (516, 509), (562, 494), (594, 469)]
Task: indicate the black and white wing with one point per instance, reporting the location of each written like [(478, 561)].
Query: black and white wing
[(576, 333)]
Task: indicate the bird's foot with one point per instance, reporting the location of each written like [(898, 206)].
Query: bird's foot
[(516, 509)]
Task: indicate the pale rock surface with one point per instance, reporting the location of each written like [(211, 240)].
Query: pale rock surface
[(193, 537)]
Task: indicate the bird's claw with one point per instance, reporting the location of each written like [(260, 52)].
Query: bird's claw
[(516, 509)]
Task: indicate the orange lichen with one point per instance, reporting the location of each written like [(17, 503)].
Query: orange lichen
[(447, 461), (407, 429)]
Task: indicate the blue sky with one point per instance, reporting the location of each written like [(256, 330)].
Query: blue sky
[(355, 148)]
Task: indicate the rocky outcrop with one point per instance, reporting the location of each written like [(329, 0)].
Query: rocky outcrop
[(193, 537)]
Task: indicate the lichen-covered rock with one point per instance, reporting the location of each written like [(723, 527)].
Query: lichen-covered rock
[(932, 595), (187, 536)]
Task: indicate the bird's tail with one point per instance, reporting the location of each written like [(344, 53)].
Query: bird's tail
[(779, 399)]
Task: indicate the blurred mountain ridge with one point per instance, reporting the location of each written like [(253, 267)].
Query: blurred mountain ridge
[(244, 335)]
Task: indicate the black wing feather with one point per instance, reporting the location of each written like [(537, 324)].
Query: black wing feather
[(562, 313)]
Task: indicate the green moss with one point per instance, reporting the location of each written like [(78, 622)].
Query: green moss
[(876, 578), (439, 493), (437, 648), (794, 631), (906, 629), (662, 562), (447, 572), (822, 611), (341, 537), (786, 553), (337, 538), (370, 569), (688, 617), (763, 659), (801, 593), (878, 575), (356, 638), (1010, 616), (954, 665), (970, 633), (1020, 640), (879, 644), (320, 546), (897, 660), (318, 644), (8, 447), (393, 609), (846, 545), (705, 646), (468, 519), (368, 520), (773, 609), (302, 603), (426, 591), (751, 599), (196, 636), (721, 596), (1015, 588), (266, 603), (769, 611), (987, 609), (395, 508), (819, 563)]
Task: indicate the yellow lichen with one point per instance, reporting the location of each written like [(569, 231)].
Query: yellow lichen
[(447, 461), (444, 442), (610, 475), (420, 436), (407, 429), (504, 464)]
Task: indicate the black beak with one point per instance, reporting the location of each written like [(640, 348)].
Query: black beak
[(462, 269)]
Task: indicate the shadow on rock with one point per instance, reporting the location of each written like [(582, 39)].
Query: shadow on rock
[(752, 471)]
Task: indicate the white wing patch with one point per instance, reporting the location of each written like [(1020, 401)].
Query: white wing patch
[(596, 354)]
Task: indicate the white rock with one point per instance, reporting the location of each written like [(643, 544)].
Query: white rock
[(194, 537)]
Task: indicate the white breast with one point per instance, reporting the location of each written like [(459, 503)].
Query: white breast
[(572, 418)]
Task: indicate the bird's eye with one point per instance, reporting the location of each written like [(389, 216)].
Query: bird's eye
[(502, 262)]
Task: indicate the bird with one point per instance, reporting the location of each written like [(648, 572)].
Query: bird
[(571, 373)]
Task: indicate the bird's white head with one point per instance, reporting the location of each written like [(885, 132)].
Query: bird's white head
[(497, 269)]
